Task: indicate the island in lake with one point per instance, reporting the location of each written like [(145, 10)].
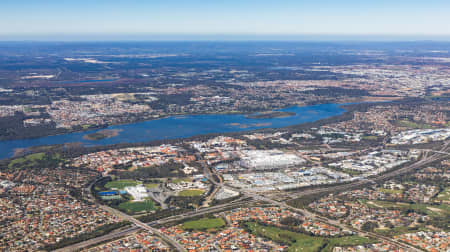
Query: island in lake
[(102, 134), (245, 126), (173, 127), (270, 114)]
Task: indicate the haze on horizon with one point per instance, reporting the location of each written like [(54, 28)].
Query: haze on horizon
[(233, 19)]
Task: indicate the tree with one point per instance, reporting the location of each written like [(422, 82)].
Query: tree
[(291, 221), (369, 226)]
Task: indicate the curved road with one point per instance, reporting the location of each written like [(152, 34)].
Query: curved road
[(426, 160)]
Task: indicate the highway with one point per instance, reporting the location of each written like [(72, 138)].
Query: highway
[(326, 220), (203, 211), (138, 225), (148, 226), (145, 226), (308, 214), (425, 161), (97, 240), (256, 198)]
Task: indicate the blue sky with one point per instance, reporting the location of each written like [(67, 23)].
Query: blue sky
[(96, 18)]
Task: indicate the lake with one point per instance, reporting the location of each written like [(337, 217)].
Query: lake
[(180, 127)]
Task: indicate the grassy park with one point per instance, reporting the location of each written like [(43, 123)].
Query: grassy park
[(133, 207), (151, 185), (204, 223), (304, 242), (29, 159), (35, 160), (120, 184), (444, 195), (390, 191), (191, 193)]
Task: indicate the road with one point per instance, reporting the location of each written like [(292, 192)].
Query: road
[(424, 161), (128, 231), (209, 176), (138, 225), (256, 197), (308, 214), (100, 239), (145, 226), (360, 183)]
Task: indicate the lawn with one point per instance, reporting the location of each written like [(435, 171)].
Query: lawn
[(413, 125), (151, 185), (304, 242), (120, 184), (390, 191), (191, 193), (347, 241), (204, 223), (29, 160), (296, 241), (132, 207), (179, 180), (444, 195), (370, 138), (431, 210), (399, 230), (385, 204), (352, 172)]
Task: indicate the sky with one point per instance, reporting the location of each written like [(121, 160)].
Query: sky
[(96, 19)]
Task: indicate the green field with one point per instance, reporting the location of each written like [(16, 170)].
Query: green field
[(204, 223), (353, 240), (304, 242), (431, 210), (120, 184), (352, 172), (150, 185), (191, 193), (36, 160), (133, 207), (399, 230), (30, 160), (297, 241), (370, 138), (391, 191), (412, 125), (179, 180), (444, 195)]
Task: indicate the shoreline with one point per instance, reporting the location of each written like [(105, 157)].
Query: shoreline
[(234, 125), (100, 127), (348, 108), (365, 99)]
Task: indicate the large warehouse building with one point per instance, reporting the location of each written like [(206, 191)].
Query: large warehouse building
[(269, 159)]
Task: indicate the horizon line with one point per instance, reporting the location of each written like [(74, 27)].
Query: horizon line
[(130, 37)]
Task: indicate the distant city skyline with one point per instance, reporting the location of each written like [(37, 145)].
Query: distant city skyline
[(227, 20)]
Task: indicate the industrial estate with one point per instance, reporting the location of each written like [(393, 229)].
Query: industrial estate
[(187, 148)]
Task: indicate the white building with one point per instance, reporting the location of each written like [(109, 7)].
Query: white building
[(421, 136), (138, 192), (269, 159)]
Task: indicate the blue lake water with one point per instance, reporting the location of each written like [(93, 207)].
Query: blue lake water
[(180, 127)]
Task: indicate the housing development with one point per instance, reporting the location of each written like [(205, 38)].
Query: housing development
[(345, 152)]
